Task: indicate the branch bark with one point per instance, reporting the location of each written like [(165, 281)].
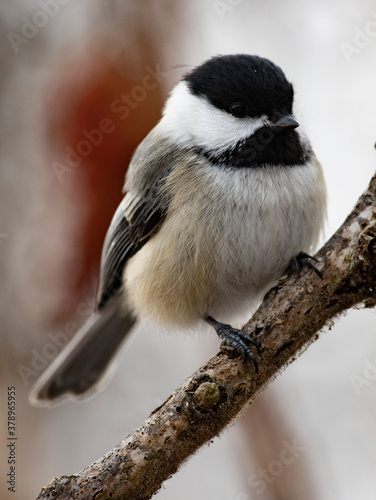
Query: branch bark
[(287, 321)]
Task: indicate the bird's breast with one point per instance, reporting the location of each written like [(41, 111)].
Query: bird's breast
[(228, 235)]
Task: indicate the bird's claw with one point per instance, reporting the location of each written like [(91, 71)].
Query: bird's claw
[(302, 260), (237, 340)]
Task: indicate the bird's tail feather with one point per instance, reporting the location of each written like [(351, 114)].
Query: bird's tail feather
[(83, 366)]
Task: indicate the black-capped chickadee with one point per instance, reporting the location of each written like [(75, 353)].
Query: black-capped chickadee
[(220, 197)]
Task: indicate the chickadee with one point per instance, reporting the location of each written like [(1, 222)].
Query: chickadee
[(221, 196)]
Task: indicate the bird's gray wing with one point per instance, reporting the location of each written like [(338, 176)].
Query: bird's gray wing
[(137, 218)]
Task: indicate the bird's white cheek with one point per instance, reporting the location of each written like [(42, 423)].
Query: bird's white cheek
[(217, 130), (191, 120)]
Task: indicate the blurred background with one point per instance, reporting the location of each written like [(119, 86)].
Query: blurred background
[(81, 83)]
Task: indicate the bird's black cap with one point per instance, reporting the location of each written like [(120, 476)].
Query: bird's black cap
[(253, 81)]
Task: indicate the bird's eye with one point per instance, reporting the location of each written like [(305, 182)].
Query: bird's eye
[(238, 109)]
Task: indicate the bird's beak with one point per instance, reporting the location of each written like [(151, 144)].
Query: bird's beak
[(284, 122)]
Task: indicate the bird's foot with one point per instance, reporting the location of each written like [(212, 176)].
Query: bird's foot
[(299, 262), (236, 339)]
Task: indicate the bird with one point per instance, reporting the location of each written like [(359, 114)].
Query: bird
[(222, 197)]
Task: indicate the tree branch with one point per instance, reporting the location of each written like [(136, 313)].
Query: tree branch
[(287, 321)]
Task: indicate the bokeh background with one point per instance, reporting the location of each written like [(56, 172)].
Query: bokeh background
[(68, 68)]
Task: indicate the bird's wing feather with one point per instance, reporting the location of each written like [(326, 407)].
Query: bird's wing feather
[(137, 218)]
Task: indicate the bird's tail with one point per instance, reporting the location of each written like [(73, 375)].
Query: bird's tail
[(86, 364)]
